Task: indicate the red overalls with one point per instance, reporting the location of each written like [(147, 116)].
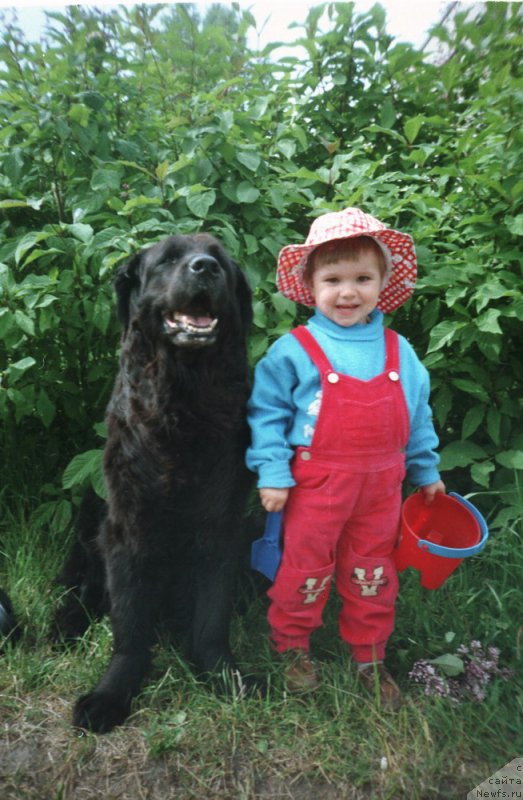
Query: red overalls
[(342, 517)]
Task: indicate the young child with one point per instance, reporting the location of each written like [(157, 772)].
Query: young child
[(339, 414)]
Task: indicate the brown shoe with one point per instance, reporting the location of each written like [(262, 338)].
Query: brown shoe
[(390, 694), (300, 673)]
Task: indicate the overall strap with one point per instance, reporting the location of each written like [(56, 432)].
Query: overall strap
[(312, 348), (392, 358)]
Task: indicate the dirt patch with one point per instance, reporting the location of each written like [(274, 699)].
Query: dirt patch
[(41, 758)]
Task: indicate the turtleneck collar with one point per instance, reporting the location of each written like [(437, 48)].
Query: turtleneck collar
[(362, 332)]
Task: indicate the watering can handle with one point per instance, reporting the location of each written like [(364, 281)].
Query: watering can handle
[(454, 552), (273, 527)]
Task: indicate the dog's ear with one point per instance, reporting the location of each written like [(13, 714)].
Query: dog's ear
[(244, 297), (127, 284)]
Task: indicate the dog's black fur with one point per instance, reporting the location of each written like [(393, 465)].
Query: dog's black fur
[(10, 630), (166, 546)]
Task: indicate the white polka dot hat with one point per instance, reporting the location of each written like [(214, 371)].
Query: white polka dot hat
[(397, 247)]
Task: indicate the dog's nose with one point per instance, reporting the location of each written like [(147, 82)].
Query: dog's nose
[(202, 264)]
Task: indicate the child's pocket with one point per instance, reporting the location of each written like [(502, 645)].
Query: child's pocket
[(309, 477)]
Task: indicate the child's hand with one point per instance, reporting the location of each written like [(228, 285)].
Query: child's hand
[(273, 499), (429, 492)]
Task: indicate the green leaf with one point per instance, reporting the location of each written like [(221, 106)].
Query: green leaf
[(480, 472), (278, 200), (287, 147), (57, 514), (444, 333), (15, 371), (101, 429), (259, 314), (494, 424), (94, 100), (226, 120), (258, 344), (63, 515), (488, 322), (251, 244), (98, 481), (411, 128), (387, 114), (105, 179), (140, 202), (80, 114), (460, 454), (472, 420), (6, 322), (45, 408), (249, 159), (283, 305), (247, 193), (442, 404), (102, 312), (29, 241), (23, 401), (200, 203), (80, 231), (449, 664), (515, 224), (25, 323), (21, 204), (512, 459), (82, 467), (471, 387), (162, 170)]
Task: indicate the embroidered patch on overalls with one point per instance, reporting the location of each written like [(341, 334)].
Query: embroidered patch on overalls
[(311, 590), (369, 587)]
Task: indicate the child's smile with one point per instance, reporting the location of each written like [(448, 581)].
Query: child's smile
[(347, 290)]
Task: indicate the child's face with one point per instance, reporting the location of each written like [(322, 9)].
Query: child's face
[(347, 290)]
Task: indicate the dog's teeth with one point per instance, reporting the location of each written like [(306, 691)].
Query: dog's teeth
[(187, 322), (202, 328)]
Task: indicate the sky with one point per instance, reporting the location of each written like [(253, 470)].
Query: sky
[(408, 20)]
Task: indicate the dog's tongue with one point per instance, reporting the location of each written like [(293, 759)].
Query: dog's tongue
[(198, 322)]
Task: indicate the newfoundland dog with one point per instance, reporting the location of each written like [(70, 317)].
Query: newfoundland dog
[(165, 548)]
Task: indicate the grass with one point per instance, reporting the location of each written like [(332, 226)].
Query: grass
[(182, 741)]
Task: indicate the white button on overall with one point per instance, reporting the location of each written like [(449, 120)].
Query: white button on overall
[(332, 377), (393, 375), (305, 456)]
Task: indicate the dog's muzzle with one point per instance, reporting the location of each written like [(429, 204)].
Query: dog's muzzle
[(194, 323)]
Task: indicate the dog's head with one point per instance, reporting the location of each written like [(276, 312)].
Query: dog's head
[(186, 290)]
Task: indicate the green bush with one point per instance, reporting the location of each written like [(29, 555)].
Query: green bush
[(128, 125)]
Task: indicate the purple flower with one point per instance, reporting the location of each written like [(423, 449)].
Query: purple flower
[(424, 673), (479, 669)]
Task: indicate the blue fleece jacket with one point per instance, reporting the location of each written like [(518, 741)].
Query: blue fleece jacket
[(286, 397)]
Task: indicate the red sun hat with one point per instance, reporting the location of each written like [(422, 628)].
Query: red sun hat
[(398, 250)]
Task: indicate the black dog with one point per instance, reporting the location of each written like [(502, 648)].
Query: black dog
[(166, 547)]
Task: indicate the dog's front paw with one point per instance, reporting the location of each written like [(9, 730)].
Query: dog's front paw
[(99, 712)]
